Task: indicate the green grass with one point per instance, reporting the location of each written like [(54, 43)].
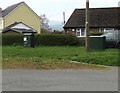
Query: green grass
[(62, 53)]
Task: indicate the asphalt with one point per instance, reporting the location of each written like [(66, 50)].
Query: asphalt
[(59, 80)]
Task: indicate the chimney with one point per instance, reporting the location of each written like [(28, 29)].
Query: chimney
[(64, 17)]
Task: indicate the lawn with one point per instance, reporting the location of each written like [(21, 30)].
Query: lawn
[(59, 55)]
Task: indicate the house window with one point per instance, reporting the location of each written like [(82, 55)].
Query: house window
[(108, 29), (80, 32), (101, 30), (105, 29)]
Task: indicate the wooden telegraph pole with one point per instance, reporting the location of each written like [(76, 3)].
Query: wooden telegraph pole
[(87, 26)]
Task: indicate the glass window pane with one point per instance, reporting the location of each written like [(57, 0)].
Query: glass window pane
[(78, 33), (82, 32)]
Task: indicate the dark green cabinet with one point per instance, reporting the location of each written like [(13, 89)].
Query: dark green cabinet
[(97, 42), (28, 40)]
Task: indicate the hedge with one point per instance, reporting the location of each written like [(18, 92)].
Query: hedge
[(12, 39), (96, 33), (43, 40), (56, 40)]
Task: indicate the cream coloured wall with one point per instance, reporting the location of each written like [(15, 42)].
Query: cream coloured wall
[(23, 14), (1, 23)]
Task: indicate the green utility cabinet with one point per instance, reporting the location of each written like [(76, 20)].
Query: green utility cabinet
[(28, 40), (97, 42)]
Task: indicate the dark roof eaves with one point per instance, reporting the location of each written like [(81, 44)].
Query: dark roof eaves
[(10, 26), (117, 26), (4, 15), (98, 8), (17, 6)]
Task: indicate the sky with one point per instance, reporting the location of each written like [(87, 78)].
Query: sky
[(54, 8)]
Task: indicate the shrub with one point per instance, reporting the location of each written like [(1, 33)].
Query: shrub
[(43, 39), (96, 33)]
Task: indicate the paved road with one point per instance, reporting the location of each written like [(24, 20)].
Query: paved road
[(0, 81), (55, 80)]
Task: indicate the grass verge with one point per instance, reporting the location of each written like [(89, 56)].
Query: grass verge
[(46, 64), (55, 57)]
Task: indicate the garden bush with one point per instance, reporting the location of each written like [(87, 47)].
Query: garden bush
[(43, 40)]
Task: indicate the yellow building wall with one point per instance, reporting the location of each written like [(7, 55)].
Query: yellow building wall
[(23, 14), (1, 23)]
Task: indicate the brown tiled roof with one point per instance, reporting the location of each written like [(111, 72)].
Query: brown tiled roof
[(99, 18)]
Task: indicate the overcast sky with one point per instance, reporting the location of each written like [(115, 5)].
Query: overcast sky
[(54, 8)]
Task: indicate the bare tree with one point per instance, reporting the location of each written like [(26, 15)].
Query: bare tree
[(44, 24)]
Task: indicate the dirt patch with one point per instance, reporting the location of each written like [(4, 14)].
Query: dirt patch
[(55, 66)]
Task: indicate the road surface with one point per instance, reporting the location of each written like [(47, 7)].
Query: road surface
[(59, 80)]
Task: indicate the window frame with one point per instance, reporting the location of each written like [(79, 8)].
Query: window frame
[(80, 31), (105, 29)]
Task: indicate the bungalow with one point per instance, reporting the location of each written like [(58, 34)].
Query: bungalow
[(101, 20), (19, 14)]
